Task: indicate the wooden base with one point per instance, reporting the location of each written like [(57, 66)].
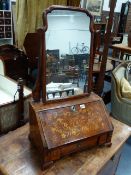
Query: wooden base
[(61, 128), (25, 158)]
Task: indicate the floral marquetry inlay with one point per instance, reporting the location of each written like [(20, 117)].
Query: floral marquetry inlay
[(68, 124)]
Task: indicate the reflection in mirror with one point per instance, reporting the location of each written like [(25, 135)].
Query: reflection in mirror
[(68, 40)]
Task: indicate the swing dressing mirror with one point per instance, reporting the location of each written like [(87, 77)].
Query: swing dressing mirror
[(64, 126)]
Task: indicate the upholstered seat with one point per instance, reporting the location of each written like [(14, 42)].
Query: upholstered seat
[(121, 106)]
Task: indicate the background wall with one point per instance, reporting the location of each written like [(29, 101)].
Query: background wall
[(118, 5), (64, 32)]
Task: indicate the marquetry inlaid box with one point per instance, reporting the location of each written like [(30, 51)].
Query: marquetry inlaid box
[(68, 126)]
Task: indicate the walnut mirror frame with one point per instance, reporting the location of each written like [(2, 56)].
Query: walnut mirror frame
[(40, 90)]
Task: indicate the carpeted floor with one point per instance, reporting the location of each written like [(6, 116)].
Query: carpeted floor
[(124, 167)]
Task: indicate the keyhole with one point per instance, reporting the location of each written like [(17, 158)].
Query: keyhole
[(73, 108)]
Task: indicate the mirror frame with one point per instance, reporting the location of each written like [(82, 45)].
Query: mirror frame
[(39, 91)]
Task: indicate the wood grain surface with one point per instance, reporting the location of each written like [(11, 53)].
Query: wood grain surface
[(19, 157)]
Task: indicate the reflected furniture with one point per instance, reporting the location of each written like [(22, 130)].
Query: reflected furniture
[(14, 107), (72, 75), (22, 157), (61, 90), (60, 93), (57, 78), (81, 60), (121, 106)]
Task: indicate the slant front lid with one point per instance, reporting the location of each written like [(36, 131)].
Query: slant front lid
[(73, 123)]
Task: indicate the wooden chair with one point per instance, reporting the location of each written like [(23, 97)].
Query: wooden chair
[(14, 62), (101, 75), (31, 45), (72, 75)]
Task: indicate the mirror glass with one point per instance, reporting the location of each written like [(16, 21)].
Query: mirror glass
[(68, 40)]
